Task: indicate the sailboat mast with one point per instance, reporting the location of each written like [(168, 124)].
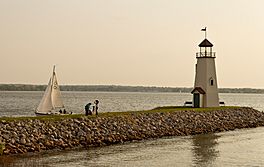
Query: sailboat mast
[(52, 84), (53, 69), (53, 74)]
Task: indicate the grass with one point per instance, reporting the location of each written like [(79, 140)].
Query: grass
[(111, 114), (44, 118), (2, 148)]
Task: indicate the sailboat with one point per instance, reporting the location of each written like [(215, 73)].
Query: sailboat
[(51, 102)]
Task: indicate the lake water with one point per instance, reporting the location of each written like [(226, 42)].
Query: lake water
[(234, 148), (24, 103)]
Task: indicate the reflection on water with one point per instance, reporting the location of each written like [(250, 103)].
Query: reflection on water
[(27, 160), (204, 149), (160, 152)]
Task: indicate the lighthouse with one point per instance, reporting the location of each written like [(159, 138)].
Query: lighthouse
[(205, 91)]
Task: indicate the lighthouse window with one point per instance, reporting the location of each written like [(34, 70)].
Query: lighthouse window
[(212, 82)]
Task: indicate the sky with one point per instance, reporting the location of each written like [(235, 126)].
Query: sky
[(130, 42)]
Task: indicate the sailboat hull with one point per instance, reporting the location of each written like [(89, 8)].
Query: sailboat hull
[(50, 113), (42, 113)]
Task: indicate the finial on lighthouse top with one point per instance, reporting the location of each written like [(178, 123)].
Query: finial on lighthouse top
[(205, 42), (204, 29)]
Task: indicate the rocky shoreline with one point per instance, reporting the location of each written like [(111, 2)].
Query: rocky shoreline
[(34, 135)]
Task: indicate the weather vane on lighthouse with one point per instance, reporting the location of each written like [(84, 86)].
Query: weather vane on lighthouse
[(204, 29)]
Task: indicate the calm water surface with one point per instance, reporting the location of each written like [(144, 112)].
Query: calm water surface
[(24, 103), (235, 148)]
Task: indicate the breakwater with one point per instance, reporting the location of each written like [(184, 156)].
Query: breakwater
[(34, 135)]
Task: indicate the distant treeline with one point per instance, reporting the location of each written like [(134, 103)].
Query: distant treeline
[(116, 88)]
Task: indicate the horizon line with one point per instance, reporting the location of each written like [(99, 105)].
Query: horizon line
[(129, 85)]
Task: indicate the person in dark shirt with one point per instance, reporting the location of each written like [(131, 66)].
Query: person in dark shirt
[(87, 109)]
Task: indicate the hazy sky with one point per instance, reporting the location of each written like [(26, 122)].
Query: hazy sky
[(130, 42)]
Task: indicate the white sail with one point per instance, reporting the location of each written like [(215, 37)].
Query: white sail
[(45, 104), (55, 93), (51, 100)]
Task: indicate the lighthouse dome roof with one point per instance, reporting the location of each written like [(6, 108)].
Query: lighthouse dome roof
[(206, 43)]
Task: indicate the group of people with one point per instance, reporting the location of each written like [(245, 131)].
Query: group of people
[(62, 112), (91, 109)]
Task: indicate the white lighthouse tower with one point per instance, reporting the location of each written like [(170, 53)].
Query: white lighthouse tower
[(205, 92)]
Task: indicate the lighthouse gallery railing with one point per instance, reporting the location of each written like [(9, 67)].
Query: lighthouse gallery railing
[(205, 54)]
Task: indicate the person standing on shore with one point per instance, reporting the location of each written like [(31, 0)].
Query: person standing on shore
[(95, 107), (87, 109)]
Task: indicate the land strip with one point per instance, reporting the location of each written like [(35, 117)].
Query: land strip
[(34, 134), (119, 88)]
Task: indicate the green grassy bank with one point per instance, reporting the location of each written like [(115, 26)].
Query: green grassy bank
[(110, 114)]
